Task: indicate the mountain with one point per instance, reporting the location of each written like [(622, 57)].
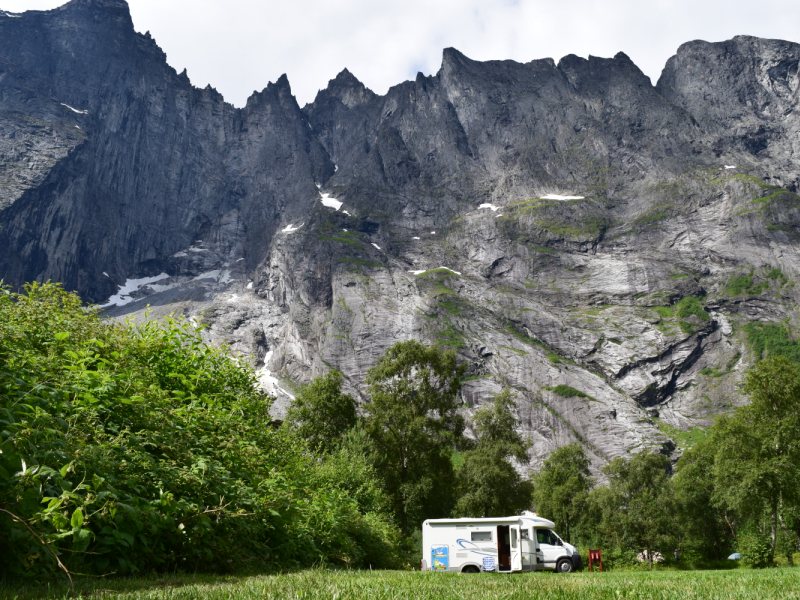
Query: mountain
[(611, 250)]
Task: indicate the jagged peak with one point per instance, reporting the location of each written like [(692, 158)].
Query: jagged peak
[(738, 41), (454, 64), (622, 57), (278, 89), (348, 89), (345, 78), (282, 85), (114, 11), (453, 55), (101, 3), (588, 71), (453, 59), (104, 4)]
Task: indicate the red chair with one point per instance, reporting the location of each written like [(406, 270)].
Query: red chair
[(596, 558)]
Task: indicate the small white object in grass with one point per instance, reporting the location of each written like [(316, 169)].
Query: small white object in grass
[(418, 272), (76, 110), (335, 168), (106, 274), (240, 259), (433, 233), (560, 197), (125, 291), (730, 166), (318, 185), (346, 213), (249, 285), (77, 127), (416, 237), (492, 207), (291, 228), (330, 202), (345, 230), (376, 245)]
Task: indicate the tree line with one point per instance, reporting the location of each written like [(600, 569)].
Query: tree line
[(738, 489), (129, 448)]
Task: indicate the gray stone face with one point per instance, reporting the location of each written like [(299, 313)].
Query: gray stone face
[(548, 221)]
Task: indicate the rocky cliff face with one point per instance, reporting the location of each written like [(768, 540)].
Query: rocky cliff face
[(596, 243)]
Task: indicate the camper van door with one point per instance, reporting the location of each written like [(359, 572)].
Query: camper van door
[(550, 547), (516, 548)]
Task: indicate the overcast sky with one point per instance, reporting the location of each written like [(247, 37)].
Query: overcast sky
[(239, 45)]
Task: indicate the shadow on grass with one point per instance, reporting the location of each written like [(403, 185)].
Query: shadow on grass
[(89, 587)]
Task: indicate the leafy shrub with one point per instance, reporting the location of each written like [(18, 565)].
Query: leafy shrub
[(744, 285), (691, 306), (135, 448), (756, 550), (772, 339), (567, 391)]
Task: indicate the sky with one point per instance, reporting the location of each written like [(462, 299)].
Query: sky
[(238, 46)]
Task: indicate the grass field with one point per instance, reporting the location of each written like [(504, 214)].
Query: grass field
[(384, 585)]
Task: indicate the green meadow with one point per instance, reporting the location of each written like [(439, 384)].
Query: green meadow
[(396, 585)]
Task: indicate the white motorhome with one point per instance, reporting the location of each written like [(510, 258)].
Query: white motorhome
[(503, 544)]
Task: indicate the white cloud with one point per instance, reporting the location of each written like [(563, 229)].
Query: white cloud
[(240, 45)]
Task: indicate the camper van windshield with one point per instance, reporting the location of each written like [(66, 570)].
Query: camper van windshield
[(545, 536)]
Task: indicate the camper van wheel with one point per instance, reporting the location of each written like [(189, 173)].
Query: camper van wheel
[(564, 566), (470, 569)]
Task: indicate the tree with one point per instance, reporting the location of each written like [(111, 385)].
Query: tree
[(413, 425), (707, 529), (757, 457), (321, 413), (488, 483), (638, 506), (561, 486)]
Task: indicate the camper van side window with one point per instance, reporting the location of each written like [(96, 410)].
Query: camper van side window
[(481, 536), (523, 534)]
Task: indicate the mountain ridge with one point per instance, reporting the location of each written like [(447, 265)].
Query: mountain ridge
[(560, 225)]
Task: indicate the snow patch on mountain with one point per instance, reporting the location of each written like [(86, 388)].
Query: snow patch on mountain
[(125, 292)]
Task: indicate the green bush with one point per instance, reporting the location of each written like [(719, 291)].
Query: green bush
[(771, 339), (691, 306), (128, 448), (756, 550), (567, 391), (745, 285)]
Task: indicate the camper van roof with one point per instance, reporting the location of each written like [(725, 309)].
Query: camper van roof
[(475, 520), (530, 516)]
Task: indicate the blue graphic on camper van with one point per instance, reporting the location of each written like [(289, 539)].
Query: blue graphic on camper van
[(473, 547), (440, 558)]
